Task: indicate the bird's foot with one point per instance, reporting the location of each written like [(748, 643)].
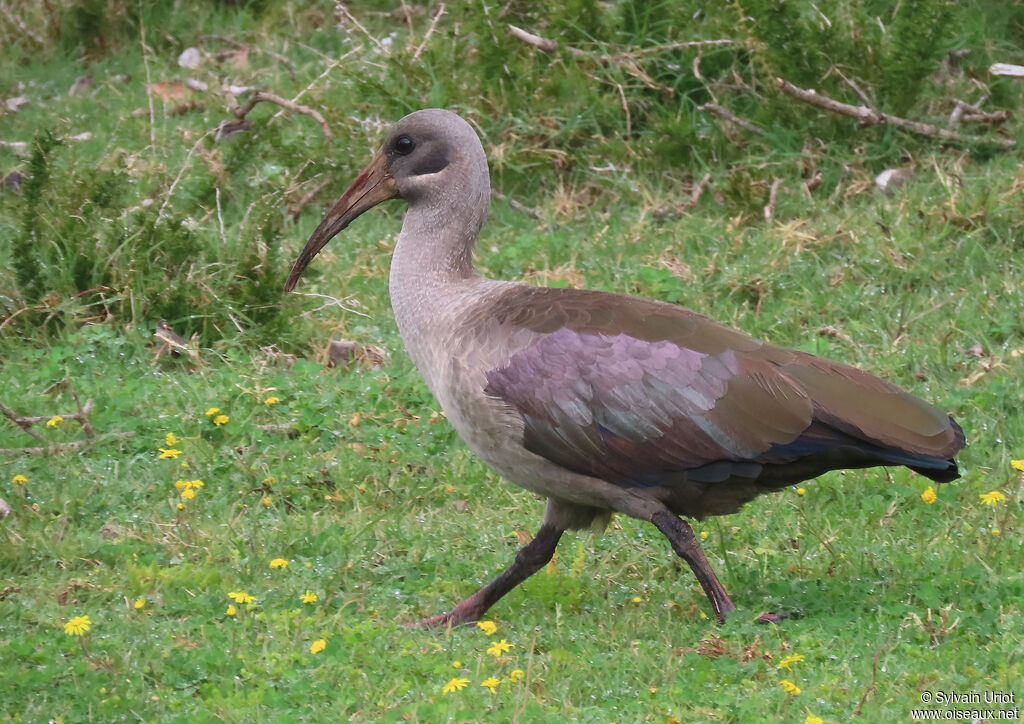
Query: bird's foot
[(772, 618), (464, 614)]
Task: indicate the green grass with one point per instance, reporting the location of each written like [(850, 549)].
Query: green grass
[(380, 510)]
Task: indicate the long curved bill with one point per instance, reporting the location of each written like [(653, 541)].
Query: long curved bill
[(373, 186)]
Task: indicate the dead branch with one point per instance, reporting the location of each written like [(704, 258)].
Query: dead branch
[(551, 46), (994, 117), (972, 113), (257, 96), (24, 424), (868, 117), (1007, 69), (627, 60), (351, 18), (81, 416), (545, 44), (517, 205), (773, 197), (295, 208), (726, 115), (813, 183), (430, 31), (681, 207), (697, 192), (59, 448)]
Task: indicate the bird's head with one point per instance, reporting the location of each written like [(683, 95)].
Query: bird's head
[(429, 155)]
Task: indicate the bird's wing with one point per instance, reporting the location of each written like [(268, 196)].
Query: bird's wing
[(631, 390)]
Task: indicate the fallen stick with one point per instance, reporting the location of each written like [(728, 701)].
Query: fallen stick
[(972, 113), (1008, 69), (697, 192), (551, 46), (773, 197), (81, 416), (517, 205), (295, 208), (430, 31), (727, 115), (257, 96), (868, 117), (681, 207), (627, 61), (59, 448)]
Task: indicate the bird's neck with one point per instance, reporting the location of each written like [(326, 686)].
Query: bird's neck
[(432, 274)]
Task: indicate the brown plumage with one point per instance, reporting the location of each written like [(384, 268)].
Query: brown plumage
[(604, 402)]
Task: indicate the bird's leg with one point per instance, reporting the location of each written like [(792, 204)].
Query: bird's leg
[(530, 559), (685, 544)]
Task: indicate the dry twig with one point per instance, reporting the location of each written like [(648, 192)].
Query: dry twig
[(430, 31), (1008, 69), (972, 113), (627, 61), (517, 205), (868, 117), (81, 416), (257, 96), (295, 208), (727, 115), (773, 197), (697, 192)]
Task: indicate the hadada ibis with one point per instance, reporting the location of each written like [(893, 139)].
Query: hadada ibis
[(602, 402)]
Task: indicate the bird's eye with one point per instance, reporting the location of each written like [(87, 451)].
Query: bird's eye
[(404, 145)]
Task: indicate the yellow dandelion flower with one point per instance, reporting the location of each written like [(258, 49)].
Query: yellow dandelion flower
[(317, 646), (456, 664), (196, 484), (801, 491), (454, 685), (188, 493), (279, 563), (271, 400), (212, 411), (516, 675), (488, 627), (499, 647), (171, 440), (266, 501), (1018, 465), (221, 420), (929, 495), (168, 452), (181, 484), (55, 421), (139, 603), (992, 498), (787, 660), (996, 531), (703, 535), (789, 687), (231, 610), (490, 683), (637, 599), (811, 719), (181, 506), (242, 597), (19, 479), (309, 597), (77, 626)]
